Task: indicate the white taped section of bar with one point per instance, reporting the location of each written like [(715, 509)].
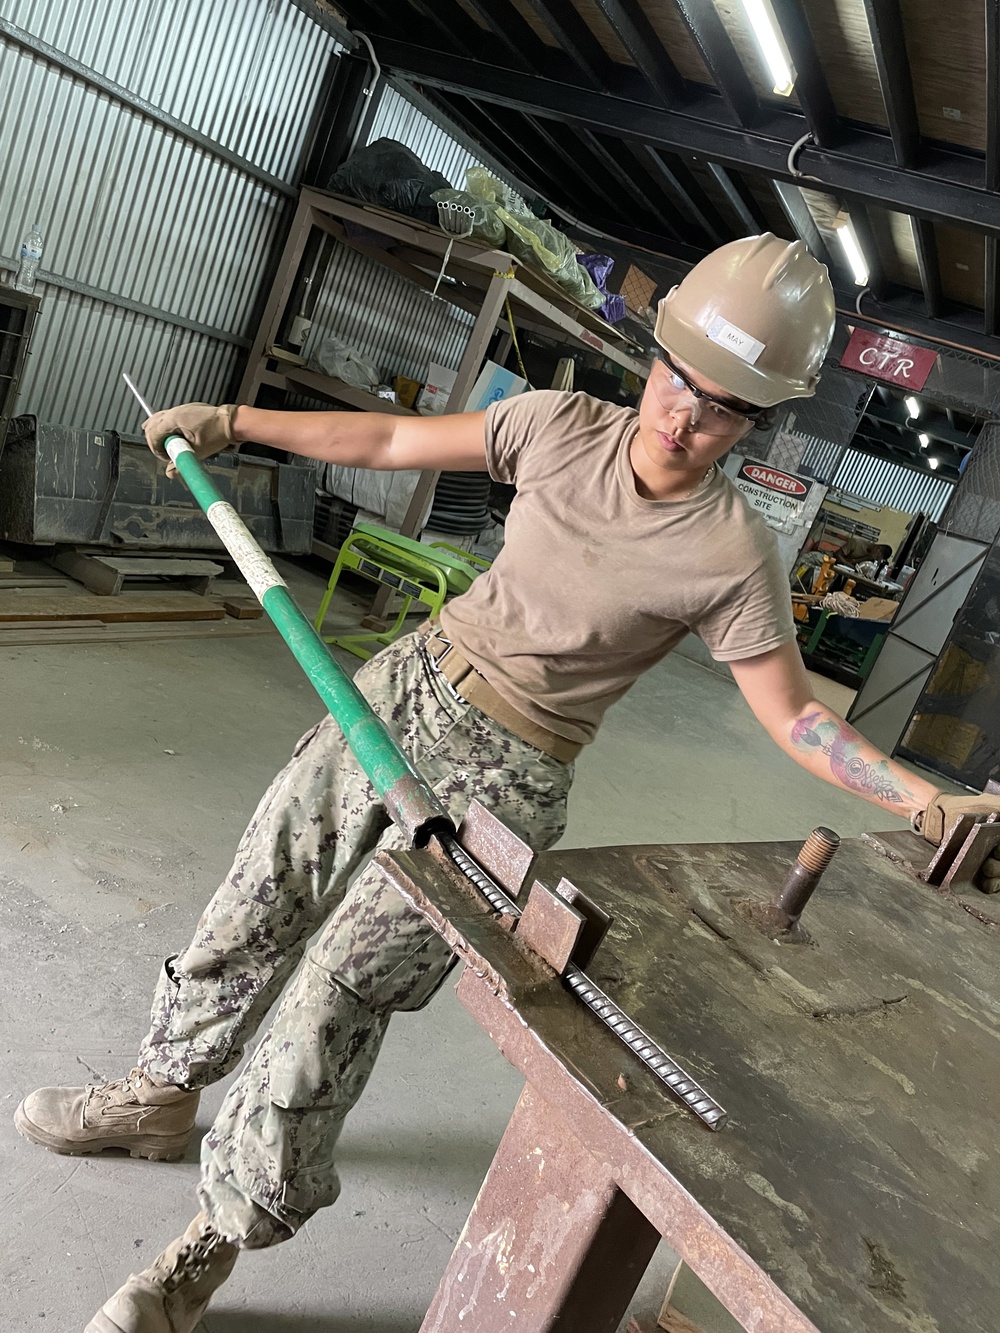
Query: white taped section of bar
[(254, 565), (175, 445)]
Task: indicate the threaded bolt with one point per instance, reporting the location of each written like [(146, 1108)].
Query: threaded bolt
[(814, 856), (818, 849)]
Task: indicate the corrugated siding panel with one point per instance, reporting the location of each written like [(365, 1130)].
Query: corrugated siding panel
[(885, 483), (397, 119), (820, 458), (80, 348), (243, 74), (130, 207), (386, 318)]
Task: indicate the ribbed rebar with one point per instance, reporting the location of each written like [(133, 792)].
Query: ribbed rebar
[(687, 1089)]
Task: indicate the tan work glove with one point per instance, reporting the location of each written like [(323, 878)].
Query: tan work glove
[(944, 810), (208, 429), (941, 814)]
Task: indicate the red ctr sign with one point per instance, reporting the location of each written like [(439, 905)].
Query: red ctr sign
[(888, 359), (772, 479)]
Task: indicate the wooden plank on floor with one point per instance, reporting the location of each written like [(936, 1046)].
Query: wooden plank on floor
[(16, 580), (160, 566), (105, 574), (96, 631), (243, 608), (76, 604)]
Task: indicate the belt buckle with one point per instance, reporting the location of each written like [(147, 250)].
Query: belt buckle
[(437, 633)]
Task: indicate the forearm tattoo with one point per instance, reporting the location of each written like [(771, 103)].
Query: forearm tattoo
[(840, 744)]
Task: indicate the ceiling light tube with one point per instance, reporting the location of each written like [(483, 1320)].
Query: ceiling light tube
[(852, 249), (912, 405), (933, 462), (924, 440), (772, 45)]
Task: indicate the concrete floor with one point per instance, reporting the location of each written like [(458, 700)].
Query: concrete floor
[(127, 774)]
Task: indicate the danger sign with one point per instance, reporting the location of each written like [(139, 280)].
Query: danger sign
[(779, 497), (772, 479)]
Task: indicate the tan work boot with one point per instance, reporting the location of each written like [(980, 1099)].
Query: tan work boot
[(146, 1118), (172, 1294)]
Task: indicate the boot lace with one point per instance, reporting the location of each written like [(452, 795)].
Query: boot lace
[(193, 1258), (118, 1091)]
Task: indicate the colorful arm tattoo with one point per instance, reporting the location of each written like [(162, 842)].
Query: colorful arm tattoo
[(842, 745)]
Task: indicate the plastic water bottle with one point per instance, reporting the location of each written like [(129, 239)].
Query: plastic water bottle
[(31, 256)]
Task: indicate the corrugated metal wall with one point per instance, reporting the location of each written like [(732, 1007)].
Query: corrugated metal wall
[(885, 483), (157, 242), (391, 321), (396, 118)]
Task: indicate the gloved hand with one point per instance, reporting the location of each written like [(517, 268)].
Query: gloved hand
[(944, 810), (208, 429), (941, 814)]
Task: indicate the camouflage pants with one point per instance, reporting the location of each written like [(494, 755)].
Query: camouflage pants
[(268, 1161)]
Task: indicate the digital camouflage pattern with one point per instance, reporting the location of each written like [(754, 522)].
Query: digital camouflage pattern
[(268, 1161)]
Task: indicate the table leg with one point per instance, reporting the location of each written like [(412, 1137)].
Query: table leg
[(551, 1242)]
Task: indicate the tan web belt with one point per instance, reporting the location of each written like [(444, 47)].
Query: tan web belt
[(475, 689)]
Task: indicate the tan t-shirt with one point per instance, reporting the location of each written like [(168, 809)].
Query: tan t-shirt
[(595, 584)]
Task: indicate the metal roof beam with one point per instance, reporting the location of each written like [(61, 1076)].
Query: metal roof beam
[(483, 125), (513, 32), (803, 224), (739, 199), (863, 166), (451, 25), (638, 36), (570, 30), (993, 94), (564, 151), (925, 244), (661, 202), (615, 170), (811, 86), (328, 20), (687, 194), (735, 199), (550, 172), (719, 54), (885, 22)]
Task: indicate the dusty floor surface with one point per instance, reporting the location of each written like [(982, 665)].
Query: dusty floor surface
[(127, 774)]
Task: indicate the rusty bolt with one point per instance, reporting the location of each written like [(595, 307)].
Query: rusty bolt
[(814, 857)]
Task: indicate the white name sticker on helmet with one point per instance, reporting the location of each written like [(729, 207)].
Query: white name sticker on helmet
[(735, 340)]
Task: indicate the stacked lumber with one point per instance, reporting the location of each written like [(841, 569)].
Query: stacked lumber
[(40, 604)]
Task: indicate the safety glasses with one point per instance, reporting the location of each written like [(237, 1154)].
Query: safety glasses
[(709, 414)]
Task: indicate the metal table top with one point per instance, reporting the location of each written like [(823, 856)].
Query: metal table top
[(857, 1185)]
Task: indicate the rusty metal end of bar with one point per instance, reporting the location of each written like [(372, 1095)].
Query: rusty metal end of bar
[(818, 850)]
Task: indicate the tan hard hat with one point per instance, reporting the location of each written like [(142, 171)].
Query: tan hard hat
[(756, 316)]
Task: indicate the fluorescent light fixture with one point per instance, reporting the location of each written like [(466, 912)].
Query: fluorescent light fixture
[(772, 44), (912, 405), (924, 440), (933, 462), (852, 249)]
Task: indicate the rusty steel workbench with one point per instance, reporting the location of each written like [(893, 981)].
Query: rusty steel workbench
[(856, 1186)]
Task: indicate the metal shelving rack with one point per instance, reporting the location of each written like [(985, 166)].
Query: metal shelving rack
[(484, 280)]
